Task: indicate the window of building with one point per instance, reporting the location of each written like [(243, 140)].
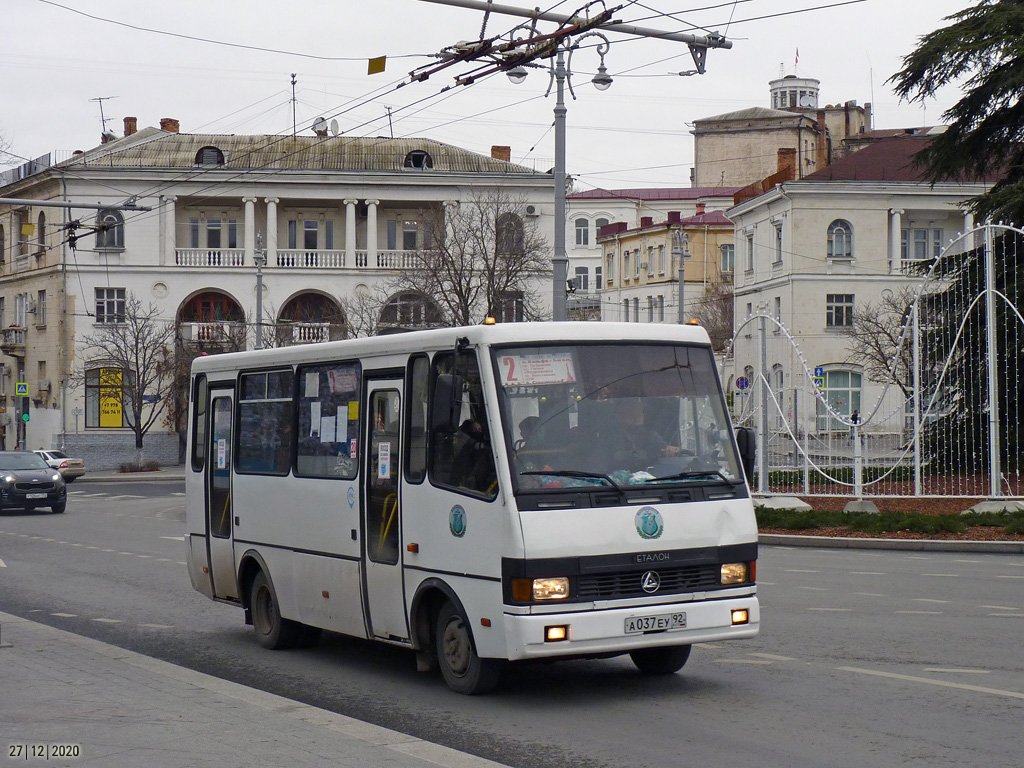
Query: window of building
[(41, 308), (651, 265), (409, 231), (661, 259), (111, 229), (213, 234), (3, 324), (598, 223), (310, 234), (582, 232), (21, 309), (840, 240), (842, 392), (209, 156), (510, 236), (41, 234), (920, 244), (750, 253), (419, 160), (410, 310), (462, 459), (110, 305), (839, 310), (625, 265), (597, 278), (661, 309), (778, 312), (625, 310), (328, 436), (636, 264), (3, 245), (329, 235), (650, 309), (728, 258), (511, 307), (104, 398), (778, 243), (266, 416), (610, 263), (232, 233), (636, 309), (583, 279)]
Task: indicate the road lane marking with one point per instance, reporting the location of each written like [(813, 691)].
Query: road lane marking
[(928, 681), (3, 564), (1007, 615), (867, 573), (157, 626), (773, 657), (837, 610), (66, 615), (742, 661), (968, 561), (869, 594), (1010, 577), (929, 600), (950, 575), (815, 589), (922, 613), (182, 538), (799, 570), (1002, 607), (108, 621), (959, 671)]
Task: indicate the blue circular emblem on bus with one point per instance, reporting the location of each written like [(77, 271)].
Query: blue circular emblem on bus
[(351, 497), (648, 523), (457, 521)]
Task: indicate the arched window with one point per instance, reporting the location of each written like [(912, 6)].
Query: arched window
[(419, 160), (41, 234), (840, 240), (509, 234), (111, 229), (598, 223), (582, 232), (410, 309), (209, 156), (104, 398)]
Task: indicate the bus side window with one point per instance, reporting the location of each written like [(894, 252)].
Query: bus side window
[(199, 398), (419, 393), (463, 458)]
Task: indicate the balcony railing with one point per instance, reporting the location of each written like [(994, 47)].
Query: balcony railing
[(219, 332), (209, 257), (309, 333), (298, 258), (13, 342), (311, 259)]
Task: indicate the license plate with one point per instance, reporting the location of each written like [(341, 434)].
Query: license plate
[(35, 495), (657, 623)]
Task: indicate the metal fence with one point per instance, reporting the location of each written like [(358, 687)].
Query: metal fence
[(926, 403)]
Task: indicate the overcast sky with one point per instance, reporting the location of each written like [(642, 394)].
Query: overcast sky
[(58, 57)]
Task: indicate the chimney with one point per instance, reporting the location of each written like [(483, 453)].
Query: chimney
[(787, 161), (130, 125), (701, 208), (501, 153), (646, 221), (168, 124), (674, 217)]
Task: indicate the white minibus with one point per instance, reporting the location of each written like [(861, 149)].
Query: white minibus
[(481, 495)]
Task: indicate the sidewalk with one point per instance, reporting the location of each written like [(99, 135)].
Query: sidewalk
[(175, 473), (121, 709)]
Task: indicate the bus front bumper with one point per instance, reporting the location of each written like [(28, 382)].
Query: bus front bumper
[(620, 630)]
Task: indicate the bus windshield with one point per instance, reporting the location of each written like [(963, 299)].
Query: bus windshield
[(614, 414)]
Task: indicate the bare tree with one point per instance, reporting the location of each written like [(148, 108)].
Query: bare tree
[(6, 158), (480, 258), (878, 340), (715, 313), (362, 310), (135, 357)]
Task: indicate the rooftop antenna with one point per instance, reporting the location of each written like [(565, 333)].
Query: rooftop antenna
[(103, 120), (294, 124), (390, 126)]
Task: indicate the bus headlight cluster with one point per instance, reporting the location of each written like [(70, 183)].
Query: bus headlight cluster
[(737, 573), (540, 590)]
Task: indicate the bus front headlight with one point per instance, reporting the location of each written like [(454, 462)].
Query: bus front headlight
[(736, 573), (540, 590)]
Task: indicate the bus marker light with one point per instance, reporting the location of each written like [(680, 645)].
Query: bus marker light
[(740, 616), (205, 569), (325, 593), (556, 634), (414, 548), (485, 622)]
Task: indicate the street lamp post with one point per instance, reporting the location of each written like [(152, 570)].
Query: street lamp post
[(561, 72), (260, 257), (679, 252)]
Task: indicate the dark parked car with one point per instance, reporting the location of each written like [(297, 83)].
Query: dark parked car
[(26, 480)]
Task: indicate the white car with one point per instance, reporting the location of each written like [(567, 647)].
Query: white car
[(69, 468)]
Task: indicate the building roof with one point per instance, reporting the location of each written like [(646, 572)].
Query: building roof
[(885, 160), (654, 193), (751, 113), (707, 219), (156, 148)]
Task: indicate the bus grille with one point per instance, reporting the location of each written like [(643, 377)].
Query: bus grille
[(610, 586)]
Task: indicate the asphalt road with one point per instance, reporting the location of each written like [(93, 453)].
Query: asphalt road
[(865, 658)]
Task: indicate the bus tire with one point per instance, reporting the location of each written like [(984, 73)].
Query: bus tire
[(272, 631), (463, 670), (660, 661)]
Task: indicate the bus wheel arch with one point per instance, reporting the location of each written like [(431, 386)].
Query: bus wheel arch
[(259, 597), (251, 564), (430, 597)]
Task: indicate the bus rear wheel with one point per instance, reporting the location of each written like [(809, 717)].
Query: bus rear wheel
[(661, 661), (272, 631), (463, 670)]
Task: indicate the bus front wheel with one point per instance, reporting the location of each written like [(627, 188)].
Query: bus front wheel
[(463, 670), (272, 631), (661, 661)]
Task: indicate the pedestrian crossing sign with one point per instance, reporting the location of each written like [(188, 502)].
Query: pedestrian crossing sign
[(21, 389)]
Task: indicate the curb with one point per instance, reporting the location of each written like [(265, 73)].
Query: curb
[(917, 545)]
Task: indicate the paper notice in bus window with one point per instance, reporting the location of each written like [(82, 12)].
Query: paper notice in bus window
[(342, 380), (312, 384), (328, 429), (525, 370), (222, 454), (384, 460), (353, 410)]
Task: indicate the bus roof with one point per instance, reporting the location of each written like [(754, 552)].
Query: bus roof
[(442, 338)]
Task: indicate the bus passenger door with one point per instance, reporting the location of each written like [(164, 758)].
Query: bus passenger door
[(382, 524), (219, 510)]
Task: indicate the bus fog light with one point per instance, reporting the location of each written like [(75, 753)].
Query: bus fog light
[(735, 573), (740, 616), (551, 589), (556, 634)]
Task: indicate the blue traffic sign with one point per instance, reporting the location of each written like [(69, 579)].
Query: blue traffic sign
[(742, 383)]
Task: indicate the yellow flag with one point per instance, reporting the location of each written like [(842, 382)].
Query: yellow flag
[(376, 65)]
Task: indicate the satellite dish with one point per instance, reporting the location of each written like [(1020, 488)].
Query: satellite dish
[(807, 101), (320, 127), (334, 127)]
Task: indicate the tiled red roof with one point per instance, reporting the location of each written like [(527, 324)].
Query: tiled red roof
[(885, 160), (709, 219)]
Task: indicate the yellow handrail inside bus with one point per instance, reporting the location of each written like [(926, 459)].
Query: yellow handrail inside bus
[(387, 519)]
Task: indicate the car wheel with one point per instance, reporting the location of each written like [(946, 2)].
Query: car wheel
[(59, 508), (661, 661), (463, 670), (70, 479), (272, 631)]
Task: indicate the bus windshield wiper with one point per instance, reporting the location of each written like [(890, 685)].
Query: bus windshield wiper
[(573, 473), (690, 475)]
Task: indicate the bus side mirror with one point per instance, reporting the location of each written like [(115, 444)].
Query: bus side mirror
[(746, 441), (446, 405)]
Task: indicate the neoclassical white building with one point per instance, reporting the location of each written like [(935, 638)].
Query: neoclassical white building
[(335, 217), (808, 252)]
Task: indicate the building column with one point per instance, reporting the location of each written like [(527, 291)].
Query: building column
[(895, 240), (350, 232), (250, 229), (371, 232), (272, 230)]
